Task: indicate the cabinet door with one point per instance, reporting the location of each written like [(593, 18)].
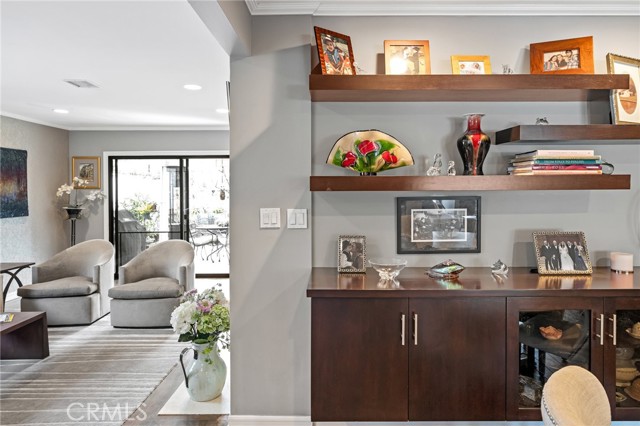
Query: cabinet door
[(545, 334), (622, 357), (358, 359), (456, 359)]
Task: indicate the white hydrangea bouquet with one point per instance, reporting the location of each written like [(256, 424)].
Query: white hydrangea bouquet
[(73, 191), (203, 318)]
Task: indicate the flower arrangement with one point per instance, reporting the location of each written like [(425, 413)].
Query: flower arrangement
[(203, 318), (73, 190)]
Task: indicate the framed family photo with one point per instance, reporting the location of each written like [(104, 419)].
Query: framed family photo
[(624, 102), (407, 57), (438, 225), (570, 56), (467, 65), (352, 254), (87, 168), (335, 52), (562, 253)]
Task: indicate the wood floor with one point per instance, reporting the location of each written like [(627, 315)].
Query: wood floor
[(147, 414)]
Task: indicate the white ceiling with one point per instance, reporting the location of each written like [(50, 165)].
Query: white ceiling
[(139, 53)]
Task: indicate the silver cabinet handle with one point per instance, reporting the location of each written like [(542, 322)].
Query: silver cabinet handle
[(614, 327), (415, 329), (601, 335), (402, 326)]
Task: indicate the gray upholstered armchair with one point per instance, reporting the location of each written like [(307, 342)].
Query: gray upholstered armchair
[(150, 285), (72, 287)]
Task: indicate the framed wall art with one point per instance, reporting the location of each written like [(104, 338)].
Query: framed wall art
[(570, 56), (352, 254), (407, 57), (335, 52), (14, 198), (624, 102), (561, 253), (438, 225), (470, 65), (87, 168)]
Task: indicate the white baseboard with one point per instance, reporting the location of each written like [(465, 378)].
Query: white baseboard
[(269, 420)]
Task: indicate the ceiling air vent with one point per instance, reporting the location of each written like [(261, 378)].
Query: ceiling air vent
[(82, 84)]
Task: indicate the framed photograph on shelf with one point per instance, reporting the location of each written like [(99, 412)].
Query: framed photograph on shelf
[(352, 254), (624, 102), (570, 56), (407, 57), (438, 225), (87, 168), (562, 253), (335, 52), (470, 65)]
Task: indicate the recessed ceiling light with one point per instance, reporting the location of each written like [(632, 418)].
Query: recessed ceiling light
[(222, 111), (61, 111), (192, 87)]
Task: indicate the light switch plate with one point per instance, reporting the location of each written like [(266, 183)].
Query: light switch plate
[(297, 218), (269, 218)]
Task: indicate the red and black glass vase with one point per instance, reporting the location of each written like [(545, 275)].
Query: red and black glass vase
[(473, 145)]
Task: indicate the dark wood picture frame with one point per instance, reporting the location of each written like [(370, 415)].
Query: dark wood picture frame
[(438, 224), (624, 103), (553, 247), (356, 258), (407, 57), (343, 50), (570, 56)]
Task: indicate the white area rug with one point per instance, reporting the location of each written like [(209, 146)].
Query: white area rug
[(95, 375), (181, 403)]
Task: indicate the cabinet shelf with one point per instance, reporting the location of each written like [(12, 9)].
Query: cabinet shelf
[(469, 183), (464, 88), (620, 134)]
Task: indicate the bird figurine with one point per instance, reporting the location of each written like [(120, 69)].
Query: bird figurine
[(499, 268)]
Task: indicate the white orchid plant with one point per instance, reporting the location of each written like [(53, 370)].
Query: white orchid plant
[(203, 318), (73, 192)]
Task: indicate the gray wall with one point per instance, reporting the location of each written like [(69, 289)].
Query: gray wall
[(270, 167), (95, 143), (278, 139), (36, 237)]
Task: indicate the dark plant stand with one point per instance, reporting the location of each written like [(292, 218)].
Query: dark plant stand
[(73, 213)]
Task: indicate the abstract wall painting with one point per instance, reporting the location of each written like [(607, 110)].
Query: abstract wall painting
[(14, 200)]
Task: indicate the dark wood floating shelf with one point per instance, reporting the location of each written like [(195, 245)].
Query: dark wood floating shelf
[(575, 133), (493, 88), (469, 183)]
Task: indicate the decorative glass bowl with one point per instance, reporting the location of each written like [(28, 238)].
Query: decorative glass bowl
[(388, 268)]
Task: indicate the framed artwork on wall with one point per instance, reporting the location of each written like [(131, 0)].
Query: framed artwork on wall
[(335, 52), (570, 56), (469, 65), (561, 253), (352, 254), (438, 225), (14, 199), (87, 169), (624, 102), (407, 57)]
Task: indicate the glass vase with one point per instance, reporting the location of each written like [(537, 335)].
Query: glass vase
[(473, 145), (207, 374)]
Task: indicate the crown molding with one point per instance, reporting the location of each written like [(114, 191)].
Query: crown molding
[(445, 8)]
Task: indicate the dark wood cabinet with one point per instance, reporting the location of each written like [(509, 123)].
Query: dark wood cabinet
[(456, 359), (427, 351)]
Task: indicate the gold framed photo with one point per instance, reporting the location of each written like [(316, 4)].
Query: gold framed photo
[(562, 253), (87, 169), (468, 65), (335, 52), (407, 57), (624, 102), (570, 56)]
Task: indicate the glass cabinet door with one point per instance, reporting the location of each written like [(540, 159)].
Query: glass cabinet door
[(543, 335), (622, 357)]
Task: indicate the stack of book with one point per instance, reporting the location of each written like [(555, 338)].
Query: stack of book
[(556, 162)]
